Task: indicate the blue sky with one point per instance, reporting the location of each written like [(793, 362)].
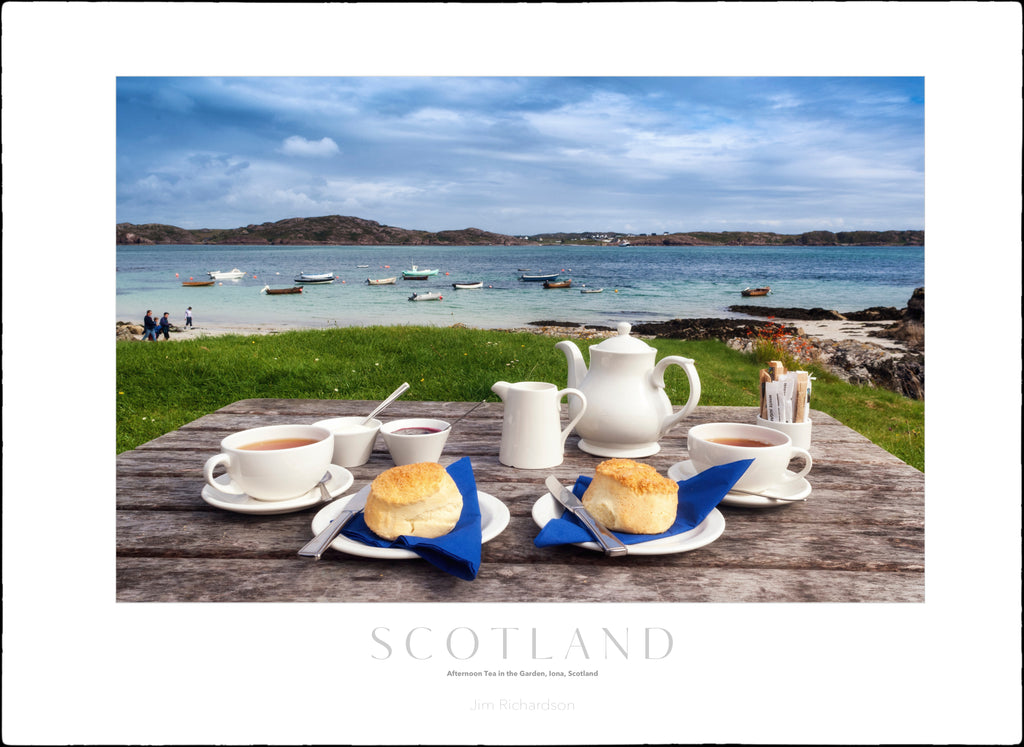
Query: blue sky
[(523, 155)]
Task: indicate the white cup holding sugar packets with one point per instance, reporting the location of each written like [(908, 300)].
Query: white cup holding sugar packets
[(799, 433), (272, 462), (353, 441), (713, 444)]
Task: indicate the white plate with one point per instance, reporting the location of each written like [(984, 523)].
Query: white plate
[(341, 480), (494, 517), (796, 490), (548, 508)]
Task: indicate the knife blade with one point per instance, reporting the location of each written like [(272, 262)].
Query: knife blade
[(611, 544), (316, 546)]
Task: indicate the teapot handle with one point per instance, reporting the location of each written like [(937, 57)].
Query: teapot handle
[(658, 380), (583, 408)]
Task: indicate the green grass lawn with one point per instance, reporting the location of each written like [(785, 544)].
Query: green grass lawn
[(162, 386)]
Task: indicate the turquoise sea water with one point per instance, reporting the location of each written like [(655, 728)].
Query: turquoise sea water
[(640, 283)]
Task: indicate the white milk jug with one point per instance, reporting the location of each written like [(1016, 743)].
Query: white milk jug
[(532, 436)]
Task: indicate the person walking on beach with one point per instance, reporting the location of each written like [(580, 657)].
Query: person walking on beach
[(149, 327), (188, 318), (165, 326)]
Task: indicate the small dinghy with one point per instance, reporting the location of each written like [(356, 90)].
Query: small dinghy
[(381, 281), (417, 274), (425, 297), (755, 291), (232, 275), (309, 278), (280, 291), (468, 286)]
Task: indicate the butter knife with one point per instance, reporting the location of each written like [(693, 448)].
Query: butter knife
[(316, 546), (611, 544)]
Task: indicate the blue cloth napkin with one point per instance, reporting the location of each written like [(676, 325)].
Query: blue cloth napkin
[(698, 497), (457, 552)]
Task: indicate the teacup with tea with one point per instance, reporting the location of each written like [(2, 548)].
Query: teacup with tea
[(713, 444), (272, 462)]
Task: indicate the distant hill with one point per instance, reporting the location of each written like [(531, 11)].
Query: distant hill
[(334, 230), (340, 230)]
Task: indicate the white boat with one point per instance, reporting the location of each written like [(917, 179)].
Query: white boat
[(591, 290), (425, 297), (417, 274), (232, 275), (468, 286), (305, 277), (381, 281), (539, 278)]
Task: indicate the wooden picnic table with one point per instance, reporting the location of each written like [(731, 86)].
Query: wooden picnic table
[(859, 537)]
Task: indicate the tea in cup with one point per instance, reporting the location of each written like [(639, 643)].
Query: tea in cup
[(414, 440), (353, 441), (713, 444), (272, 462)]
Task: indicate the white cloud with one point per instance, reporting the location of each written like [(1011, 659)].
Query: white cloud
[(296, 145)]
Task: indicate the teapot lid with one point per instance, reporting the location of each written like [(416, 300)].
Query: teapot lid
[(623, 342)]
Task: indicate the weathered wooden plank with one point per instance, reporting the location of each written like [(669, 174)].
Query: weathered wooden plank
[(190, 580), (749, 544)]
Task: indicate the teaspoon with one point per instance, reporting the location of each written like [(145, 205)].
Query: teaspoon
[(467, 412), (765, 495), (394, 395)]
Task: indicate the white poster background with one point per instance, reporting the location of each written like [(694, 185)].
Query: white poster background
[(78, 667)]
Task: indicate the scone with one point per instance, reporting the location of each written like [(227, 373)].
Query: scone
[(627, 496), (415, 499)]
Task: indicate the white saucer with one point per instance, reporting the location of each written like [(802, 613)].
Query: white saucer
[(340, 481), (494, 517), (548, 508), (795, 490), (638, 452)]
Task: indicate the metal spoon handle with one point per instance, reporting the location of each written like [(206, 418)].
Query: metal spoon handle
[(765, 495), (316, 546), (394, 395), (467, 412)]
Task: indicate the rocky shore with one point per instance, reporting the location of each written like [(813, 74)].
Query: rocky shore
[(880, 346)]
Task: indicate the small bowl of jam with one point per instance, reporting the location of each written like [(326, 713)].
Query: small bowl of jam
[(414, 440)]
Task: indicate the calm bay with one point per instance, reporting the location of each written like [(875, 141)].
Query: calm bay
[(637, 283)]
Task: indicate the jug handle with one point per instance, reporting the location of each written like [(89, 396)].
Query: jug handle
[(569, 391), (658, 380)]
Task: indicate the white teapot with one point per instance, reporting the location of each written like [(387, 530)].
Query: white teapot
[(627, 409)]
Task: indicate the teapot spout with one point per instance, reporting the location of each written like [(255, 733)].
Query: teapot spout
[(574, 358), (501, 389)]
